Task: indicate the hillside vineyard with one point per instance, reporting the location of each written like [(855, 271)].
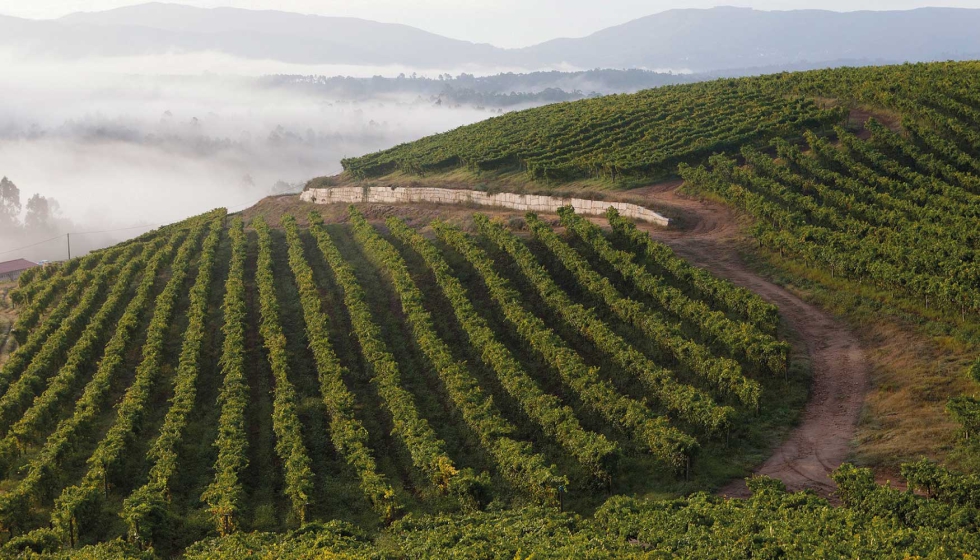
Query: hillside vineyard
[(216, 375), (392, 381), (647, 134), (616, 136)]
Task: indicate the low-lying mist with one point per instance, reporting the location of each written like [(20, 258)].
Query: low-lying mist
[(123, 149)]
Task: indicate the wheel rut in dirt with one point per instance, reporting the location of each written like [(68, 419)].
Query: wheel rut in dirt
[(821, 441)]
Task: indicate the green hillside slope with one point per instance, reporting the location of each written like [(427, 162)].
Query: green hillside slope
[(295, 387), (647, 134), (212, 378), (617, 136), (871, 202)]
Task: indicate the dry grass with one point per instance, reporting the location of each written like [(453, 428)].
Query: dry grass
[(912, 377), (918, 359), (274, 208)]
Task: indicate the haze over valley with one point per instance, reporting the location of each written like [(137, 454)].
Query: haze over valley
[(122, 150), (142, 115)]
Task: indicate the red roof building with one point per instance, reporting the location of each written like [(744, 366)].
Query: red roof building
[(10, 270)]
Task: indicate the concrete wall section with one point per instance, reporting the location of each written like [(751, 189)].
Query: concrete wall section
[(522, 202)]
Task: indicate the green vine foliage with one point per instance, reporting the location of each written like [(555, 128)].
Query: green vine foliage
[(740, 339), (148, 503), (16, 503), (664, 441), (22, 357), (592, 450), (58, 345), (347, 433), (113, 348), (723, 373), (515, 459), (79, 502), (42, 410), (224, 495), (426, 449), (688, 402), (615, 137), (285, 419)]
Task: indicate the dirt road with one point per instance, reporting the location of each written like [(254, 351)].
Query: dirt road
[(840, 370)]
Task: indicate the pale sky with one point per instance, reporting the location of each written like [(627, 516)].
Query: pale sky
[(505, 23)]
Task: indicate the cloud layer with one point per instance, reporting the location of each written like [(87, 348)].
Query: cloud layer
[(118, 149)]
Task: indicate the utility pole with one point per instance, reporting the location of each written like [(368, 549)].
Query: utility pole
[(68, 235)]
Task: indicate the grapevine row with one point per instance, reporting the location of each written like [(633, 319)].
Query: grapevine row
[(285, 420), (33, 282), (86, 348), (639, 135), (32, 276), (348, 434), (558, 421), (55, 347), (740, 339), (517, 462), (792, 222), (689, 403), (655, 433), (224, 494), (21, 358), (720, 292), (130, 411), (29, 315), (15, 503), (146, 502), (427, 451), (723, 373)]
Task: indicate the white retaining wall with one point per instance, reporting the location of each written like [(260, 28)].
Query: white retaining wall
[(523, 202)]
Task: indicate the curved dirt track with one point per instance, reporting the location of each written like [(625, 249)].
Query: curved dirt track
[(840, 370)]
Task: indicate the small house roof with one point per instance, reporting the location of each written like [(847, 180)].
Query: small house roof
[(15, 266)]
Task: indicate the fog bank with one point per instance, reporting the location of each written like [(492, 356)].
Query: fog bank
[(120, 144)]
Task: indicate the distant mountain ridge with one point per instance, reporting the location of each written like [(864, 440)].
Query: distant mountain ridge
[(729, 38), (696, 40)]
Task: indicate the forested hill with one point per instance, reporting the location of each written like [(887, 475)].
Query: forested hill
[(646, 135)]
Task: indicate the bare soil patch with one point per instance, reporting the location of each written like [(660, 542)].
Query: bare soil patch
[(858, 116), (272, 209)]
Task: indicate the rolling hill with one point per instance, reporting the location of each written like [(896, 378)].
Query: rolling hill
[(719, 40), (411, 381), (161, 28), (726, 38), (393, 409)]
